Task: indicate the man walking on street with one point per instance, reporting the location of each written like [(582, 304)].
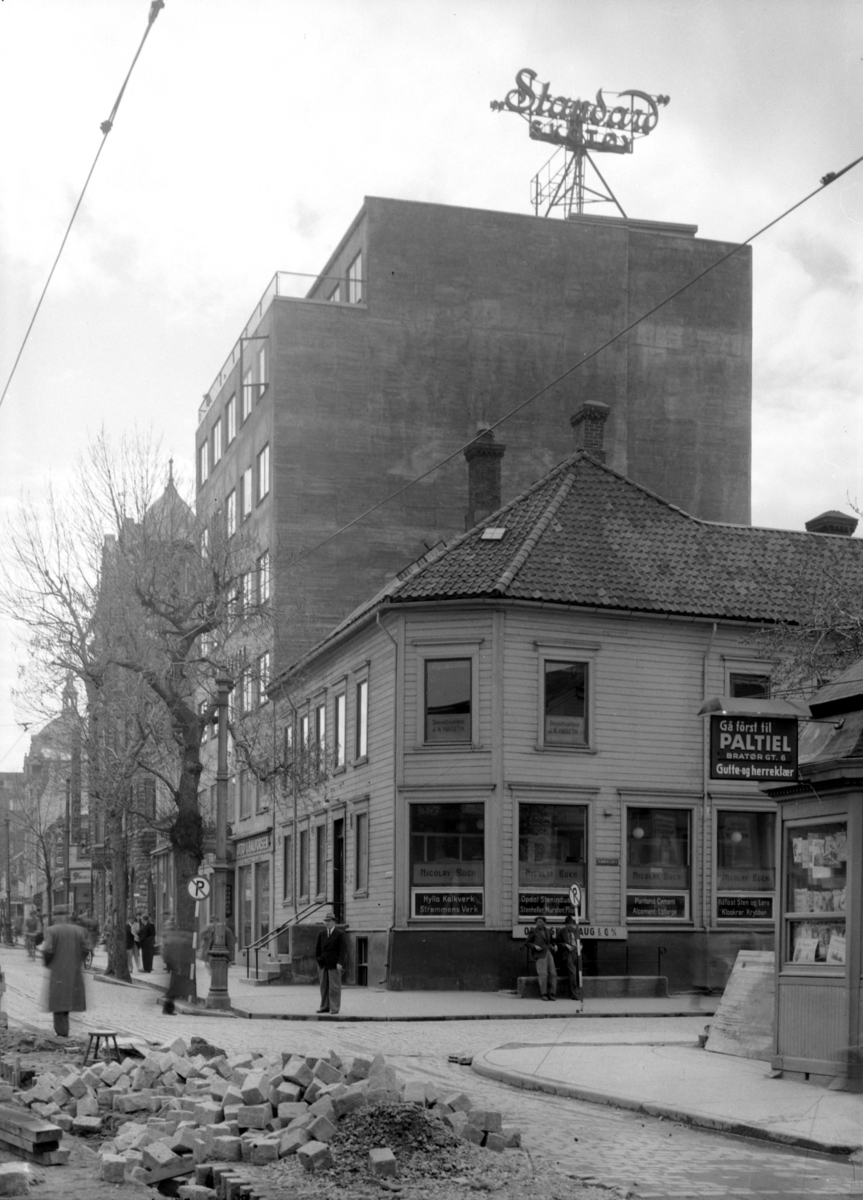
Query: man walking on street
[(331, 954), (64, 950)]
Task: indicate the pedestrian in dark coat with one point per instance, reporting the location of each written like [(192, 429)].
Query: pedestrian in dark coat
[(64, 950), (331, 954), (541, 944), (569, 944), (177, 957), (148, 944)]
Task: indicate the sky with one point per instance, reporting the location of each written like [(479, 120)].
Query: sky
[(251, 131)]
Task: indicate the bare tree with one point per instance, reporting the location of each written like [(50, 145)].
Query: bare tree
[(123, 586)]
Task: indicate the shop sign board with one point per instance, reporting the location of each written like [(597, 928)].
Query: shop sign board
[(550, 874), (655, 906), (746, 879), (757, 748), (259, 844), (465, 904), (665, 877), (448, 874), (748, 908), (553, 905)]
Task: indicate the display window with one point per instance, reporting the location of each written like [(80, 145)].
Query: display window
[(552, 852), (745, 865), (658, 865), (816, 882), (447, 861)]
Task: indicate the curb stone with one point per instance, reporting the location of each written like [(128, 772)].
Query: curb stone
[(701, 1121)]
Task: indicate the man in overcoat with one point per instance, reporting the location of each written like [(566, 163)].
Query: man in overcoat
[(331, 954), (64, 950)]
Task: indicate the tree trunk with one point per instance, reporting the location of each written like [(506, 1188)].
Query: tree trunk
[(187, 838), (115, 840)]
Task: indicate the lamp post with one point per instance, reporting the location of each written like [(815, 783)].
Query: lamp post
[(8, 930), (67, 866), (218, 995)]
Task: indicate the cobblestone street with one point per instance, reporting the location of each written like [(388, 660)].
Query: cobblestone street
[(649, 1157)]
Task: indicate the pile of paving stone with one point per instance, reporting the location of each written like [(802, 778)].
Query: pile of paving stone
[(187, 1112)]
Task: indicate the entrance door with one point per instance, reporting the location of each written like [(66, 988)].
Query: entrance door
[(262, 901), (244, 924), (339, 869)]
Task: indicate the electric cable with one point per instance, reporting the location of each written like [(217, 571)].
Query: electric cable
[(826, 180), (106, 127)]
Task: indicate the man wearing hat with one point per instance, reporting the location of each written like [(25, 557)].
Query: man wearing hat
[(331, 954), (64, 950)]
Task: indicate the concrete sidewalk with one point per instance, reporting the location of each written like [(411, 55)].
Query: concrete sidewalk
[(687, 1084), (298, 1002)]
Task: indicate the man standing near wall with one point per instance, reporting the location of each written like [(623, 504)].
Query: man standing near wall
[(331, 954)]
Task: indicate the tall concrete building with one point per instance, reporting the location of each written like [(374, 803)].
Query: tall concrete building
[(429, 321)]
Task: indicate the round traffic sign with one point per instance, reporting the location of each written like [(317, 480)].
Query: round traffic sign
[(199, 887)]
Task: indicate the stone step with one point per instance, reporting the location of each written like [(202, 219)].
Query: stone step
[(595, 987)]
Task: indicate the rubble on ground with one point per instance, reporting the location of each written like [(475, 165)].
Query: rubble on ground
[(175, 1113)]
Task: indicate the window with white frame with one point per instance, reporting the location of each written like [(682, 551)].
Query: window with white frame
[(203, 463), (262, 369), (205, 543), (305, 745), (339, 729), (247, 588), (745, 864), (263, 676), (320, 751), (246, 493), (448, 700), (231, 513), (552, 856), (264, 472), (244, 790), (262, 795), (217, 441), (231, 419), (565, 682), (447, 860), (336, 294), (264, 578), (361, 851), (246, 691), (288, 867), (303, 864), (361, 720), (320, 860), (749, 685), (246, 395), (355, 280)]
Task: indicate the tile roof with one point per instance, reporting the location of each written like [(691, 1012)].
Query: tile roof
[(584, 535)]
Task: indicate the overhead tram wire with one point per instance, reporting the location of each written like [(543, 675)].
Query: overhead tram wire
[(155, 7), (826, 180)]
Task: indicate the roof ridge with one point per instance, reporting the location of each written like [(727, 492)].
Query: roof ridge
[(536, 533)]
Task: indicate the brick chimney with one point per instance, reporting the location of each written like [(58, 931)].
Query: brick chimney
[(483, 477), (588, 423), (832, 522)]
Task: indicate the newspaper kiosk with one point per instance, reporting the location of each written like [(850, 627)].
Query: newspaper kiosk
[(818, 1021)]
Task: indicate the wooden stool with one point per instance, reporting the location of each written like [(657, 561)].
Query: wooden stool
[(101, 1035)]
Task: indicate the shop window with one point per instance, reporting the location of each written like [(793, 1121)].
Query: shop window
[(321, 860), (304, 864), (361, 739), (339, 728), (361, 855), (288, 867), (552, 842), (745, 865), (447, 861), (448, 700), (564, 703), (658, 871), (747, 685), (816, 883)]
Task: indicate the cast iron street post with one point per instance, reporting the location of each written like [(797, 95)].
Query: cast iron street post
[(218, 995), (8, 929)]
